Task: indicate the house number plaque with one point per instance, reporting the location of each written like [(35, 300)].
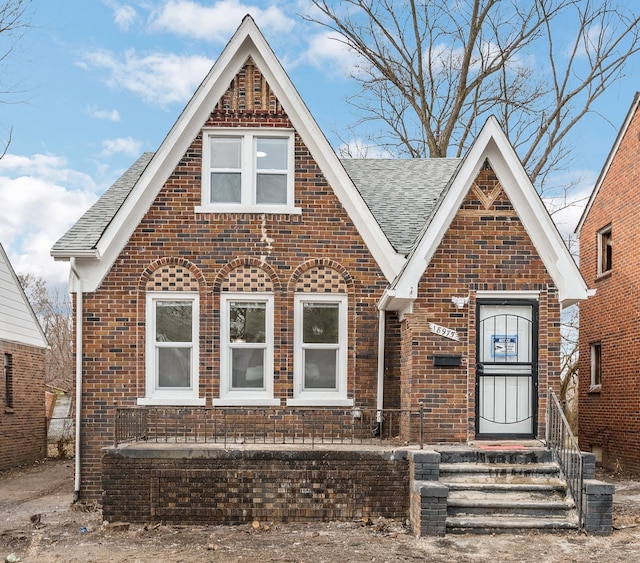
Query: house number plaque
[(443, 331)]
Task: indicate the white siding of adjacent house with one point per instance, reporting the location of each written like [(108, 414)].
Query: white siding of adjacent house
[(17, 320)]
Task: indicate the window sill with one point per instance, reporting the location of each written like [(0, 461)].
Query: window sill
[(245, 402), (233, 208), (317, 402), (9, 410), (604, 275), (594, 390), (171, 402)]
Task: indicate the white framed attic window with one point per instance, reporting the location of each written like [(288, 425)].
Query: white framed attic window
[(246, 349), (320, 352), (171, 351), (248, 170)]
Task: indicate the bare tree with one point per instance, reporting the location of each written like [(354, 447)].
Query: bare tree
[(53, 309), (13, 21), (432, 71)]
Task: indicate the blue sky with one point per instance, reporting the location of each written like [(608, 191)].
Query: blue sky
[(97, 82)]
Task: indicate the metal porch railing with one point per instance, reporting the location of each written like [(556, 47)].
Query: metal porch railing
[(565, 450), (268, 425)]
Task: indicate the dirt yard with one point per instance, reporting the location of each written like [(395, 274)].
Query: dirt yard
[(39, 523)]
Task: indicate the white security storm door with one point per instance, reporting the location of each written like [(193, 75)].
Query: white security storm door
[(506, 369)]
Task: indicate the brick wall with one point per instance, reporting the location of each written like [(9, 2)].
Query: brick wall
[(238, 486), (219, 250), (485, 248), (22, 426), (608, 416)]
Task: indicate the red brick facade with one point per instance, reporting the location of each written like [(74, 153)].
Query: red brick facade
[(486, 248), (609, 414), (174, 248), (23, 436)]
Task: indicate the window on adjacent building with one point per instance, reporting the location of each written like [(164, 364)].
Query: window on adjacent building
[(8, 380), (172, 359), (246, 349), (320, 364), (596, 365), (247, 170), (605, 255)]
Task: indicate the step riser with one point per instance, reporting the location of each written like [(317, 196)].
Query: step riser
[(515, 512), (495, 456)]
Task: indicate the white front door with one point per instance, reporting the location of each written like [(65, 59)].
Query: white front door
[(506, 383)]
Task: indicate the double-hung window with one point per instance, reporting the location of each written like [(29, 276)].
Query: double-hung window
[(247, 170), (246, 349), (172, 358), (320, 355)]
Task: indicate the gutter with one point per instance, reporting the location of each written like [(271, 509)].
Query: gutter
[(74, 271)]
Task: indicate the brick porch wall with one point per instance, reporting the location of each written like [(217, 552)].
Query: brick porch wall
[(236, 486)]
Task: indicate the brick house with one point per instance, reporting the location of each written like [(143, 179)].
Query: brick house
[(23, 437), (243, 265), (609, 388)]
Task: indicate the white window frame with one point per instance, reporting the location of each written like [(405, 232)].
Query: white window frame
[(605, 241), (248, 172), (155, 395), (316, 397), (242, 397)]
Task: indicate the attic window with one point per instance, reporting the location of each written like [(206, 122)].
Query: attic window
[(247, 170), (605, 251)]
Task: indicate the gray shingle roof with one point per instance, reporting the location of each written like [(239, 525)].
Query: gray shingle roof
[(401, 194), (85, 234)]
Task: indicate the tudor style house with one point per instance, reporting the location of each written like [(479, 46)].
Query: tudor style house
[(23, 430), (609, 388), (244, 265)]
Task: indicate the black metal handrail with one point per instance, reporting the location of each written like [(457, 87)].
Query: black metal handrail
[(565, 450), (268, 425)]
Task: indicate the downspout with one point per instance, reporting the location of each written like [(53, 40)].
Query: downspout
[(380, 405), (76, 490)]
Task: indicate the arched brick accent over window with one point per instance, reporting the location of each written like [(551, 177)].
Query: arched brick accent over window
[(321, 276), (245, 275), (171, 274)]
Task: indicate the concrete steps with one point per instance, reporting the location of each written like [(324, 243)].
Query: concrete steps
[(505, 491)]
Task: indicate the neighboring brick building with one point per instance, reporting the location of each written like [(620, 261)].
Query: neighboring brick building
[(609, 390), (243, 264), (23, 434)]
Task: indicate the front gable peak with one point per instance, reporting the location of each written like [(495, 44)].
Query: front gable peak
[(491, 150), (246, 75)]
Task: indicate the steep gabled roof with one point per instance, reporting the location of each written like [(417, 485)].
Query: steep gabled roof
[(93, 262), (492, 145), (605, 169), (401, 193), (18, 322)]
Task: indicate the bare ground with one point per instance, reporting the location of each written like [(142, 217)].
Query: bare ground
[(39, 523)]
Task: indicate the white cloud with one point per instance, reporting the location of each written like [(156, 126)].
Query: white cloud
[(122, 145), (158, 78), (41, 198), (216, 22), (124, 16), (327, 52), (105, 114), (357, 148)]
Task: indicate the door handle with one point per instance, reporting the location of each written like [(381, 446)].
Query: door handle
[(480, 369)]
